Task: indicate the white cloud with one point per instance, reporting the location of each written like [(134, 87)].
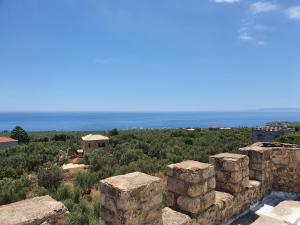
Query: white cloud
[(293, 13), (263, 7), (226, 1), (245, 36), (102, 60)]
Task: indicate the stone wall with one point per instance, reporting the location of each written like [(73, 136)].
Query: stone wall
[(36, 211), (202, 193), (276, 165)]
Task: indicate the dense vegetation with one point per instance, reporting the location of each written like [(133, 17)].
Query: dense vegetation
[(34, 168)]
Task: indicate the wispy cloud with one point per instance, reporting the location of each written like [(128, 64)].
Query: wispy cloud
[(263, 7), (226, 1), (245, 36), (102, 60), (293, 13)]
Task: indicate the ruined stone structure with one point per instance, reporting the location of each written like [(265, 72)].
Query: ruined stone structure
[(36, 211), (203, 193), (197, 193), (269, 133)]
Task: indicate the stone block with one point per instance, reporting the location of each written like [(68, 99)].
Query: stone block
[(196, 205), (171, 217), (191, 171), (131, 199), (232, 172), (229, 161), (38, 210), (185, 188)]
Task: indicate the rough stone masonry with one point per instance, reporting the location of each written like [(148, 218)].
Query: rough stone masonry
[(203, 193), (36, 211), (197, 193)]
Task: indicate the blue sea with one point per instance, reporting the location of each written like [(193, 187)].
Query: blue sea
[(106, 121)]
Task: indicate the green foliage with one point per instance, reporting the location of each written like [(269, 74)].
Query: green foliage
[(148, 151), (291, 139), (8, 172), (64, 192), (59, 137), (12, 190), (50, 177), (113, 132), (42, 191), (20, 134), (30, 157), (84, 213), (85, 181)]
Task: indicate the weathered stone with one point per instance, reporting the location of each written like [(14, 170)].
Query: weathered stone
[(229, 161), (185, 188), (38, 210), (191, 171), (196, 205), (171, 217), (275, 165), (132, 199), (232, 172)]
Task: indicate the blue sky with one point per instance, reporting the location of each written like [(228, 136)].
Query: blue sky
[(149, 55)]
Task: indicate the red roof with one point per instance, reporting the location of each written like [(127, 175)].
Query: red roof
[(7, 139)]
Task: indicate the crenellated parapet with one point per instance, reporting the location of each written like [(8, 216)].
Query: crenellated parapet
[(276, 165), (197, 193), (202, 193)]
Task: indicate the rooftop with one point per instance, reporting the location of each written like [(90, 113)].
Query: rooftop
[(260, 146), (94, 137), (7, 139)]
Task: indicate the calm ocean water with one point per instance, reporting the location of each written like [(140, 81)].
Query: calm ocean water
[(106, 121)]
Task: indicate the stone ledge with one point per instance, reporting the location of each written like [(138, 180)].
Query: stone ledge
[(38, 210)]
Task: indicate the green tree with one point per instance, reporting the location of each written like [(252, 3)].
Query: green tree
[(50, 177), (20, 134), (113, 132)]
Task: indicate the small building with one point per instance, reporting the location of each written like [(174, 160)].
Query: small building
[(94, 141), (270, 133), (214, 128), (6, 142)]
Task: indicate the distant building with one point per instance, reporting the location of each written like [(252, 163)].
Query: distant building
[(213, 128), (269, 133), (6, 142), (94, 141), (190, 129)]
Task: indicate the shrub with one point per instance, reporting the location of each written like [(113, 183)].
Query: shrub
[(8, 172), (64, 192), (14, 190), (50, 177)]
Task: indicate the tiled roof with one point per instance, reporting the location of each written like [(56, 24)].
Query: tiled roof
[(7, 139)]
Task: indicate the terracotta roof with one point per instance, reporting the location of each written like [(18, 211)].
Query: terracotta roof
[(7, 139)]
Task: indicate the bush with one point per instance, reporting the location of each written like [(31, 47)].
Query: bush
[(59, 137), (8, 172), (50, 177), (14, 190), (64, 192), (86, 181)]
